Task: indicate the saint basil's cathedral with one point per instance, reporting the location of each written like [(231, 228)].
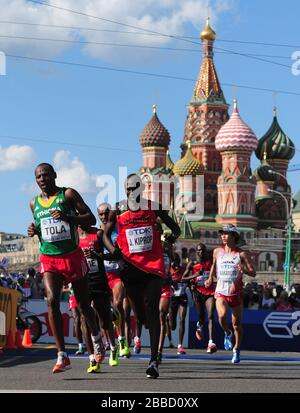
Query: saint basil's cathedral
[(217, 148)]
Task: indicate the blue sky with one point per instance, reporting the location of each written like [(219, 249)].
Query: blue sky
[(54, 102)]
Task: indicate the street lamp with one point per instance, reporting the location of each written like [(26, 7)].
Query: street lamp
[(287, 263)]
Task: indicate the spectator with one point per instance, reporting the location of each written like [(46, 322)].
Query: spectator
[(253, 303), (283, 303), (295, 297), (268, 301)]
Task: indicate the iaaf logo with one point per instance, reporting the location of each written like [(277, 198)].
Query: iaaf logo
[(282, 325)]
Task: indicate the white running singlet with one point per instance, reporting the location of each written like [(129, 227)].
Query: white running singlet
[(227, 273)]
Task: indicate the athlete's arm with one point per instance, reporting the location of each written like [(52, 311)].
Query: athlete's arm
[(31, 230), (213, 269), (186, 276), (246, 265), (174, 227), (85, 217), (106, 237)]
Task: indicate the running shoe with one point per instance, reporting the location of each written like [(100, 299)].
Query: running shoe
[(180, 350), (152, 370), (228, 342), (159, 358), (94, 367), (211, 348), (80, 351), (236, 356), (199, 332), (124, 350), (99, 351), (63, 364), (171, 345), (113, 357), (137, 345)]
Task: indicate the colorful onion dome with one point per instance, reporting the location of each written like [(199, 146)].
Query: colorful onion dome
[(188, 165), (276, 143), (265, 172), (236, 134), (169, 162), (208, 33), (154, 133)]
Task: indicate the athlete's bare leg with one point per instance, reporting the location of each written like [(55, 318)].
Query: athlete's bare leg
[(164, 304), (127, 304), (182, 316), (210, 307), (77, 324), (53, 285), (118, 292), (237, 313), (222, 309), (81, 294)]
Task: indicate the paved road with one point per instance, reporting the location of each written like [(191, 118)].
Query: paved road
[(29, 370)]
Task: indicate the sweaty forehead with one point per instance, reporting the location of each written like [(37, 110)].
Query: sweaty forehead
[(133, 182), (43, 169), (103, 211)]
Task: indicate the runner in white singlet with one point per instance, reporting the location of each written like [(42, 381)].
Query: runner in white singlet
[(229, 265)]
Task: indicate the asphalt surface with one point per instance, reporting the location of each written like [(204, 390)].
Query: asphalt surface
[(30, 370)]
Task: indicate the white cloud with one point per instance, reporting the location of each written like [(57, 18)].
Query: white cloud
[(16, 157), (71, 172), (164, 16)]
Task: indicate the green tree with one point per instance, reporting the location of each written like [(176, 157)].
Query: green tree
[(297, 257)]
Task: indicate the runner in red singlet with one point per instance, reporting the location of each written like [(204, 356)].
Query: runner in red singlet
[(165, 298), (203, 298), (90, 241), (229, 265), (113, 273), (139, 244), (179, 301)]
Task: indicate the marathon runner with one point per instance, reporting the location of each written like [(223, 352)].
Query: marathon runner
[(113, 273), (139, 244), (203, 297), (229, 265), (57, 213), (179, 301), (90, 241)]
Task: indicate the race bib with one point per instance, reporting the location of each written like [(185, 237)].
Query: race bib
[(139, 239), (54, 230), (200, 281), (181, 287), (93, 265)]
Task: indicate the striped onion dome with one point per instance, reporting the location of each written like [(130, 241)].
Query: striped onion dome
[(236, 134), (265, 172), (154, 133), (276, 143), (188, 165)]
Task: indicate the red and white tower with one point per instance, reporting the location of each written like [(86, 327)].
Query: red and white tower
[(236, 185), (207, 112)]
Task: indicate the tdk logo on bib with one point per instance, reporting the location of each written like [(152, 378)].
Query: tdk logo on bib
[(282, 325), (140, 231)]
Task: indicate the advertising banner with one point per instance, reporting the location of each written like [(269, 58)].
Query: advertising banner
[(264, 330)]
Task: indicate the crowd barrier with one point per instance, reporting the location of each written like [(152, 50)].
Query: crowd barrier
[(8, 310), (263, 330)]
